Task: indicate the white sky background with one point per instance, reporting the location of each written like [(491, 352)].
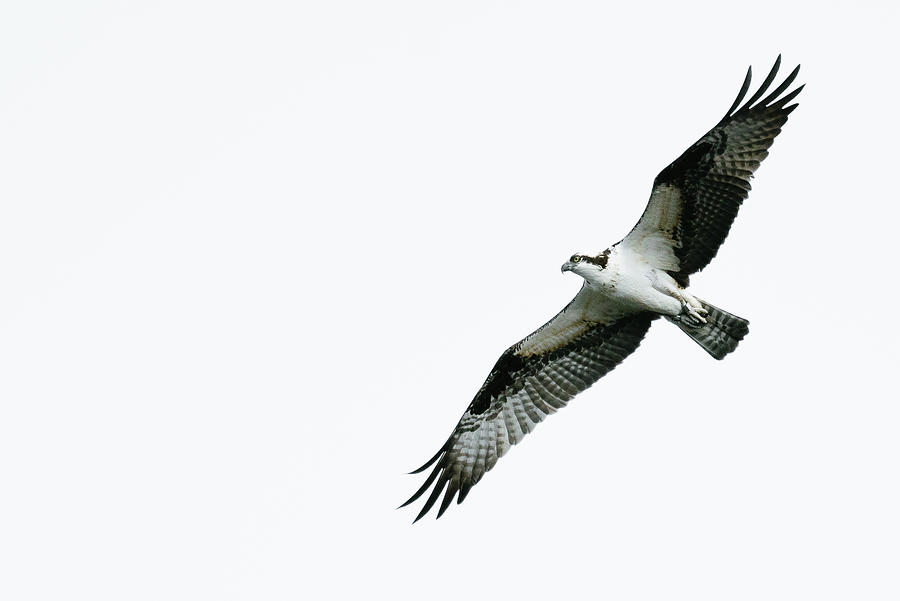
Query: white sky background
[(256, 259)]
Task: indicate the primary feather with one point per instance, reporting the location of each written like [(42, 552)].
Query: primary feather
[(696, 198)]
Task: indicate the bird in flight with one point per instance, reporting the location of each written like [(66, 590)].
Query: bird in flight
[(626, 287)]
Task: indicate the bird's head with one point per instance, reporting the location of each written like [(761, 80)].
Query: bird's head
[(585, 265)]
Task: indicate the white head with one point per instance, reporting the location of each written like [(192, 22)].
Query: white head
[(586, 265)]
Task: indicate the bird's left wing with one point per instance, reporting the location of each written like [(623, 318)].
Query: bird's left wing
[(532, 379), (696, 198)]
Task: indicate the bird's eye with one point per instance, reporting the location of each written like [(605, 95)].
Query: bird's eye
[(575, 259)]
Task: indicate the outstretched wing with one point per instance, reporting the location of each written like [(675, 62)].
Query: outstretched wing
[(531, 380), (695, 199)]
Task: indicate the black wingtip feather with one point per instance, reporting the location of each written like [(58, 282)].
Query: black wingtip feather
[(438, 489), (448, 498), (744, 87), (781, 88), (464, 489), (764, 86), (424, 487), (433, 459), (426, 465), (789, 97)]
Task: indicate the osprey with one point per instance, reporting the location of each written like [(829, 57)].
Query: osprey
[(626, 287)]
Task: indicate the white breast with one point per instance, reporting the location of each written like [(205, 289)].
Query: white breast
[(628, 280)]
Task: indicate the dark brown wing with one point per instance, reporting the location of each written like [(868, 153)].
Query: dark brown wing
[(695, 199), (531, 380)]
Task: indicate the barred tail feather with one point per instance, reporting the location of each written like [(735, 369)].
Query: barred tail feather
[(721, 332)]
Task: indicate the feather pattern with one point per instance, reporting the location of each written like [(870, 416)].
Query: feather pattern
[(691, 208), (695, 199), (524, 388)]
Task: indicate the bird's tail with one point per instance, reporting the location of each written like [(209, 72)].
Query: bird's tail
[(721, 332)]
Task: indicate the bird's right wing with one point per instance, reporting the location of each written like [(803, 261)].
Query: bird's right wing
[(531, 380)]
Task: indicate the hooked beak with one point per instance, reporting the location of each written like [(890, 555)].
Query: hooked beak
[(567, 266)]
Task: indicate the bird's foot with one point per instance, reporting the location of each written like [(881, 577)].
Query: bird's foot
[(693, 316)]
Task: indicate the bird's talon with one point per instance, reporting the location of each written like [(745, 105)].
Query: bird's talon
[(692, 315)]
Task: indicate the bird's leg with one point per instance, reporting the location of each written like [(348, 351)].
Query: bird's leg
[(694, 316), (692, 311), (693, 302)]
